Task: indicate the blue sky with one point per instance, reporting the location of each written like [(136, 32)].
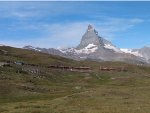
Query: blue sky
[(62, 24)]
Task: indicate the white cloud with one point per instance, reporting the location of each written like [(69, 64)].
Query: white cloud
[(56, 35), (69, 34), (117, 24), (111, 26)]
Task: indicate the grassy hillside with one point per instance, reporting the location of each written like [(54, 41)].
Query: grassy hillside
[(61, 91)]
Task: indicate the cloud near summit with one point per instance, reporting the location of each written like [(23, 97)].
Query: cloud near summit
[(70, 34)]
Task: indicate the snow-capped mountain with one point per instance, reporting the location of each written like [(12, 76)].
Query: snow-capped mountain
[(132, 51), (143, 52), (93, 46), (90, 43), (44, 50), (91, 37)]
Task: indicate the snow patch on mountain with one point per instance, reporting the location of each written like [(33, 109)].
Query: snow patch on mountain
[(88, 49), (136, 53), (108, 46), (66, 50), (32, 48), (37, 49), (90, 46)]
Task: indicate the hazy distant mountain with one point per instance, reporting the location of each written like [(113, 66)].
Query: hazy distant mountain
[(143, 52), (44, 50), (93, 46)]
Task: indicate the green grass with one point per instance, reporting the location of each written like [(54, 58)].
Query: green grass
[(59, 91)]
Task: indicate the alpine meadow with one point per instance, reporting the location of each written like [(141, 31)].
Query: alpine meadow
[(74, 57)]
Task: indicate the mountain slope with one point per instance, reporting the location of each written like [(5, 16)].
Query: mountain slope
[(142, 52)]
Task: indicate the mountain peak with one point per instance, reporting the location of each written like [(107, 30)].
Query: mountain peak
[(90, 37), (90, 28)]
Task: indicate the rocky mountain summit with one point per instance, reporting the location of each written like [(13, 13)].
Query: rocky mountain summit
[(93, 46), (91, 36)]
